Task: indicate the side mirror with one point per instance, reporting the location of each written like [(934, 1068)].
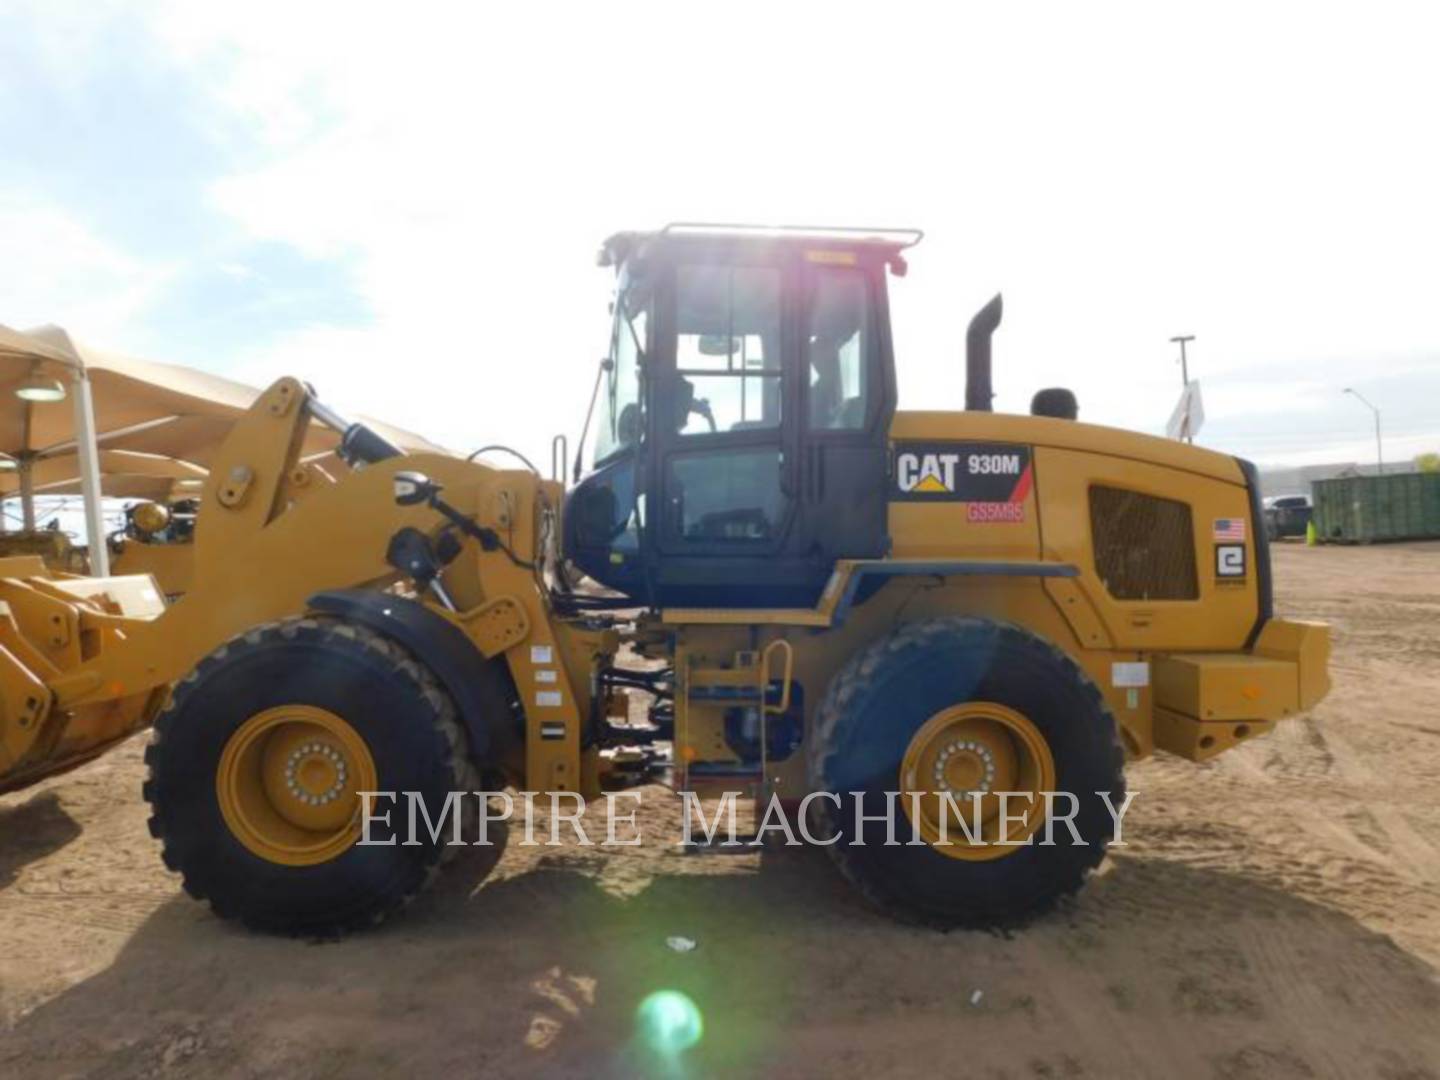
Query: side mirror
[(414, 488)]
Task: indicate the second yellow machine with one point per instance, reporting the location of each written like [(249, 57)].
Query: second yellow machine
[(801, 588)]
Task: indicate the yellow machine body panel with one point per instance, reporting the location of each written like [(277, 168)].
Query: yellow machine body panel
[(171, 565), (51, 545), (1226, 686), (1064, 434)]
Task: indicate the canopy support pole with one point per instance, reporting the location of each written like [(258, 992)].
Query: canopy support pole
[(88, 454), (27, 493)]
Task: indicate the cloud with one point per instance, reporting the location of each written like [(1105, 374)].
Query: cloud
[(56, 270), (1123, 175)]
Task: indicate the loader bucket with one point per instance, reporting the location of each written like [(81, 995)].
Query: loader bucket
[(51, 623)]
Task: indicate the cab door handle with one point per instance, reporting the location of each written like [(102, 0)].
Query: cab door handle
[(787, 474), (815, 473)]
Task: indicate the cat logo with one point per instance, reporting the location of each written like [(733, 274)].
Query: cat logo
[(963, 472), (932, 474)]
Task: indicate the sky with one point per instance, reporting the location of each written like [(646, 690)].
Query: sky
[(401, 203)]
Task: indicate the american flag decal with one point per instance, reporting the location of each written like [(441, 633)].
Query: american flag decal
[(1229, 528)]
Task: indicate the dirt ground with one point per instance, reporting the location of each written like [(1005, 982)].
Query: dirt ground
[(1274, 914)]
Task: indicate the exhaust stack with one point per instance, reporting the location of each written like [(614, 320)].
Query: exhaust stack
[(978, 387)]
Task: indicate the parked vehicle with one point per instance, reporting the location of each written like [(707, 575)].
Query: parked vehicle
[(1287, 515)]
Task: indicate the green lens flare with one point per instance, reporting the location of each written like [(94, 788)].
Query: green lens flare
[(669, 1022)]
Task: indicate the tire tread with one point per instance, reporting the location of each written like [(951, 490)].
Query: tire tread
[(402, 665), (822, 747)]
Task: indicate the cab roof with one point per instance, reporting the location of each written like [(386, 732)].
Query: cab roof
[(884, 244)]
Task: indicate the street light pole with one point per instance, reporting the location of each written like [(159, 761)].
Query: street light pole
[(1186, 435), (1379, 452), (1184, 364)]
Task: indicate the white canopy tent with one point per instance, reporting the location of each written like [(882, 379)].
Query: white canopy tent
[(74, 419), (38, 375)]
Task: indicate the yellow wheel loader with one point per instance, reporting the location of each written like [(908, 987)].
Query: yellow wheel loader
[(927, 636)]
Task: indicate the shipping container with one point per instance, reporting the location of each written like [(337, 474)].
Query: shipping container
[(1361, 509)]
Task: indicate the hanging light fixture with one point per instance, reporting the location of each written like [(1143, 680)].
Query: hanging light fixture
[(8, 463), (39, 387)]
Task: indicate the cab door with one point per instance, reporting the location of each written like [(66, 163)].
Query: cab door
[(722, 427), (848, 401), (770, 428), (725, 433)]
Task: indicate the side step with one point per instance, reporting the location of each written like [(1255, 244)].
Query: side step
[(743, 845)]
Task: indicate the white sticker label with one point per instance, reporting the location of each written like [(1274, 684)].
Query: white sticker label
[(542, 654), (549, 698), (1230, 560), (546, 675), (1136, 673)]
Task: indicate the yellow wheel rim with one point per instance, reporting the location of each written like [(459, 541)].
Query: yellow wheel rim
[(287, 784), (970, 753)]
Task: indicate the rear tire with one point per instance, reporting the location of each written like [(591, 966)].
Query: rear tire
[(390, 723), (884, 696)]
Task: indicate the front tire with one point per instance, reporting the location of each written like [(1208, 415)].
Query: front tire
[(966, 704), (256, 764)]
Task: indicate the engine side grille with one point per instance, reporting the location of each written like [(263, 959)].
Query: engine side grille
[(1144, 545)]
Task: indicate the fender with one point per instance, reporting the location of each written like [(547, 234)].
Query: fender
[(446, 650)]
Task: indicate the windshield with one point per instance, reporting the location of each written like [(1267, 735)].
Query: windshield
[(618, 412)]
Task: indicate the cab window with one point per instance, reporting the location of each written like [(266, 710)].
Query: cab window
[(837, 345), (619, 420), (727, 349), (727, 495)]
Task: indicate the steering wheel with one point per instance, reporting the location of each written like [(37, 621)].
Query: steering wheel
[(686, 404)]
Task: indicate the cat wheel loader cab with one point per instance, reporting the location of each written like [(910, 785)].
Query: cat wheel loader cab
[(949, 630), (740, 432)]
